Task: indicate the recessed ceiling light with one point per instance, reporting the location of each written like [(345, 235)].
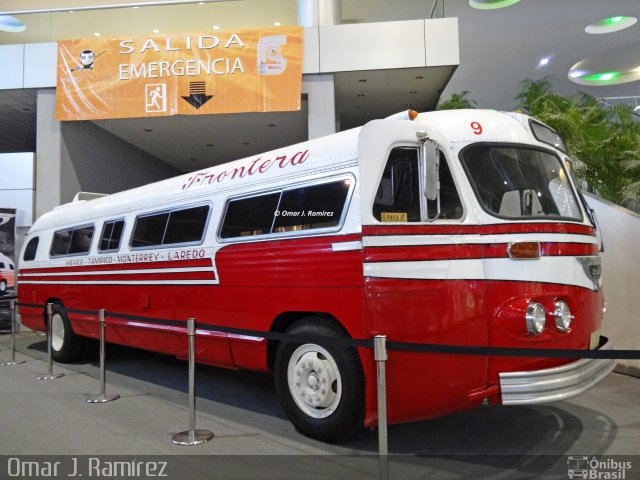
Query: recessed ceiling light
[(193, 159), (271, 125), (363, 80), (148, 130), (216, 27), (611, 24), (200, 3), (96, 34), (419, 77), (360, 95), (246, 143), (491, 4), (155, 30), (413, 92), (70, 11), (210, 145), (544, 61), (277, 24)]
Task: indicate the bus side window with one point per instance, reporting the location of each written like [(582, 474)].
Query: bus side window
[(111, 236), (248, 217), (81, 240), (60, 245), (450, 204), (180, 226), (398, 198), (31, 249)]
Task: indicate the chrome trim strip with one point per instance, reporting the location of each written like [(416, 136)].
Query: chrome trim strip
[(346, 246), (553, 384)]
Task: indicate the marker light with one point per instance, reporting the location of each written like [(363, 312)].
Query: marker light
[(563, 316), (535, 318), (412, 114), (524, 250)]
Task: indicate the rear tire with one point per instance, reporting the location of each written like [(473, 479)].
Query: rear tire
[(320, 387), (66, 346)]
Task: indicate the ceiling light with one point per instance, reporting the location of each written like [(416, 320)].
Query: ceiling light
[(277, 24), (544, 61), (611, 24), (491, 4), (271, 125), (419, 77), (610, 67), (11, 24), (155, 30), (606, 76), (216, 27), (96, 34), (210, 145), (148, 130)]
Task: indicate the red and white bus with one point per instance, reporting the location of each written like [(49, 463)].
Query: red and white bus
[(7, 274), (455, 227)]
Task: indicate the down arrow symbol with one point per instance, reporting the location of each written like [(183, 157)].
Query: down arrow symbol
[(197, 96)]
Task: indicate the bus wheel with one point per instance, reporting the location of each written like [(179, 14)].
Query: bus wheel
[(320, 386), (66, 346)]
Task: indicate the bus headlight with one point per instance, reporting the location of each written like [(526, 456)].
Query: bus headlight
[(535, 318), (563, 316)]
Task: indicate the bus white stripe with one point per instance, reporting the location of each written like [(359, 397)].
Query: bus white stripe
[(562, 270), (121, 282), (118, 272), (415, 240)]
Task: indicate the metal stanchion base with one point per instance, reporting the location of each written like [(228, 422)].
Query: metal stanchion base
[(101, 398), (192, 437), (50, 377), (10, 364)]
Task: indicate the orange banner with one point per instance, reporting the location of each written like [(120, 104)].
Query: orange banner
[(221, 72)]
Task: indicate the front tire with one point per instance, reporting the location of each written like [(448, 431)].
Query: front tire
[(321, 387), (66, 346)]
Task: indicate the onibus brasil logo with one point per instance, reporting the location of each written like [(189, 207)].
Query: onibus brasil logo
[(589, 468)]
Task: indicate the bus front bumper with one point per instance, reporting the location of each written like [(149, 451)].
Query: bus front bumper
[(553, 384)]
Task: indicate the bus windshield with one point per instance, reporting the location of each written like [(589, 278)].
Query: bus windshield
[(520, 182)]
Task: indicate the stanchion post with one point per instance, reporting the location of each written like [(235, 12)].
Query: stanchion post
[(12, 308), (50, 375), (380, 355), (102, 397), (192, 436)]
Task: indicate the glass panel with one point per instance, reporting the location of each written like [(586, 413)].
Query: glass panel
[(81, 240), (520, 182), (186, 226), (111, 236), (313, 206), (546, 135), (397, 199), (149, 230), (31, 249), (250, 216), (61, 241)]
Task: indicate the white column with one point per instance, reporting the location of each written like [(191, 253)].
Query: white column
[(48, 153), (312, 13), (321, 104), (322, 118)]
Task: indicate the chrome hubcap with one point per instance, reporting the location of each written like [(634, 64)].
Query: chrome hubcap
[(314, 381)]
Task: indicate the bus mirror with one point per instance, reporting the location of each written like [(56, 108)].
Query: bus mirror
[(432, 161)]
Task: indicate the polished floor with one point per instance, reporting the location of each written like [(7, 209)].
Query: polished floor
[(253, 438)]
